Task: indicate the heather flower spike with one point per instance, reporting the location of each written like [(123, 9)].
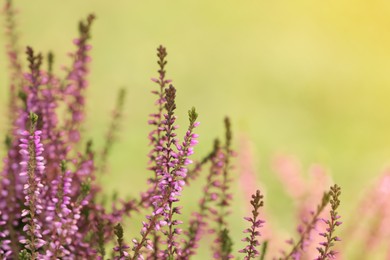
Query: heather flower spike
[(305, 233), (76, 79), (251, 249), (171, 171), (33, 168), (325, 248), (226, 179), (198, 222), (156, 120), (220, 249)]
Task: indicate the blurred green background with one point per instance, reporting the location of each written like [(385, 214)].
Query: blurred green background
[(308, 78)]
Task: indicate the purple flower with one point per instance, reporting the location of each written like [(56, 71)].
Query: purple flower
[(171, 171), (251, 249), (222, 247), (325, 251), (76, 80), (198, 222), (33, 167)]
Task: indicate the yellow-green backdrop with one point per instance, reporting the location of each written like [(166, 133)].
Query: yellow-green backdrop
[(309, 78)]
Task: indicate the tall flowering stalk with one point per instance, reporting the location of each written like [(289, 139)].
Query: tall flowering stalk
[(33, 164), (198, 222), (223, 244), (325, 247), (156, 118), (226, 197), (171, 171), (306, 230), (76, 79), (155, 136), (250, 250), (305, 194), (42, 97)]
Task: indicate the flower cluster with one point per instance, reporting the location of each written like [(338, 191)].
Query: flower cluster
[(76, 79), (250, 250), (325, 250), (198, 222), (33, 168), (47, 185), (305, 231)]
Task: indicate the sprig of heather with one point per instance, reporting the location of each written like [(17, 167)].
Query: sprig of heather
[(305, 193), (250, 250), (60, 217), (171, 172), (51, 93), (113, 129), (222, 247), (76, 79), (33, 163), (56, 150), (308, 228), (40, 99), (172, 165), (226, 197), (42, 93), (121, 247), (156, 120), (184, 151), (34, 80), (198, 223), (325, 247)]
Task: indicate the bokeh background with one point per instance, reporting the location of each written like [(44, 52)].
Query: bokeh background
[(305, 78)]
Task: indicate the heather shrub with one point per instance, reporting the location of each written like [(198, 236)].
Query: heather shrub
[(51, 203)]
